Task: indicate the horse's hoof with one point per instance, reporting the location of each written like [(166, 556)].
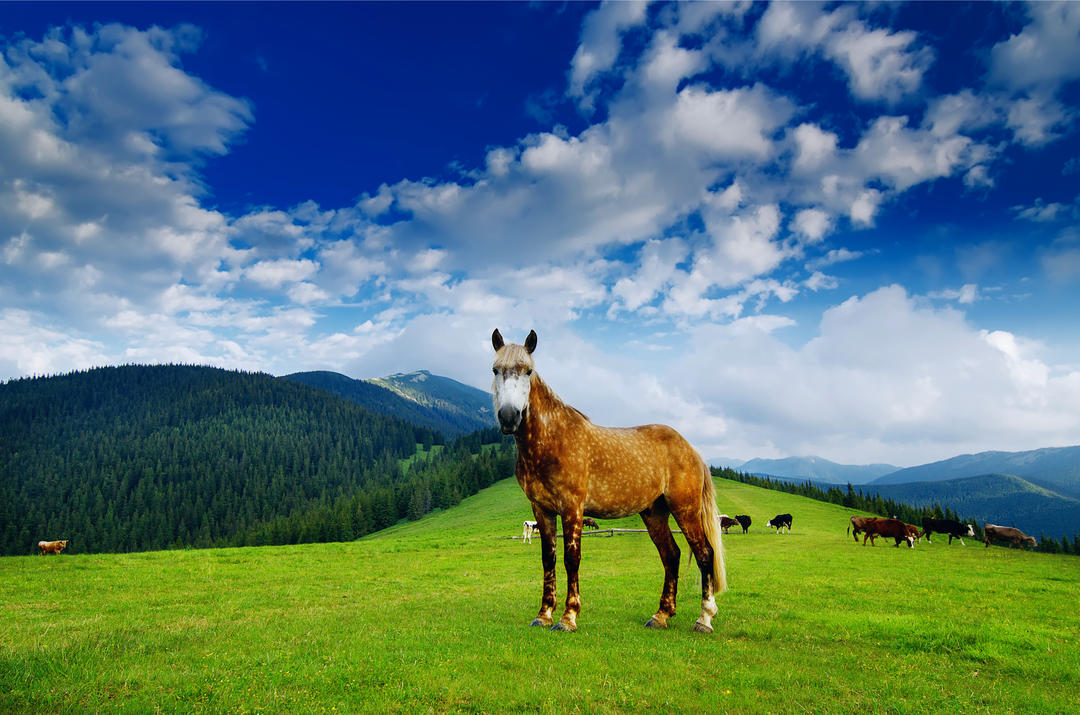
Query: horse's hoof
[(653, 623), (540, 622), (700, 627), (564, 627)]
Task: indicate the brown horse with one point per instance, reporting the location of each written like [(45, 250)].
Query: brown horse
[(569, 467)]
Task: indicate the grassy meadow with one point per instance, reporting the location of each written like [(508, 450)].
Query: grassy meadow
[(433, 616)]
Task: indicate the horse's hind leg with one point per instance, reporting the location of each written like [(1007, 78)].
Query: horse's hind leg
[(656, 521), (694, 531)]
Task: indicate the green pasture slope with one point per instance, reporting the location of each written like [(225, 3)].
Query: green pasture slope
[(433, 616)]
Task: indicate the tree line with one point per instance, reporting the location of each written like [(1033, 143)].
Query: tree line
[(876, 504), (136, 458)]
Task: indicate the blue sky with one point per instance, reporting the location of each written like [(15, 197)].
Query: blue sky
[(845, 230)]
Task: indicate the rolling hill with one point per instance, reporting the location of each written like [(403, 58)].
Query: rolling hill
[(432, 616), (417, 397)]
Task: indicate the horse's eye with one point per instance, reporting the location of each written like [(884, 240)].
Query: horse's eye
[(494, 371), (528, 373)]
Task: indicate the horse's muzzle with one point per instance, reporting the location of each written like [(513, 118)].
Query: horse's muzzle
[(509, 419)]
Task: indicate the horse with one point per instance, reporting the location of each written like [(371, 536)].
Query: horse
[(569, 467), (590, 522)]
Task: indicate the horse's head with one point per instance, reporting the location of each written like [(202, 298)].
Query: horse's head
[(513, 368)]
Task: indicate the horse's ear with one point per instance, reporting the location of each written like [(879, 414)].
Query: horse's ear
[(496, 340), (530, 342)]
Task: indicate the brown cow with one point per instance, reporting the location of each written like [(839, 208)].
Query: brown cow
[(726, 522), (891, 529), (51, 547), (858, 525), (589, 522), (1015, 537)]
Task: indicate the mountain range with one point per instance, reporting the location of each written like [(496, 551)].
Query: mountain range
[(817, 469)]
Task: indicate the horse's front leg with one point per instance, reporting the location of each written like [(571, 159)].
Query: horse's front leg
[(572, 559), (546, 523)]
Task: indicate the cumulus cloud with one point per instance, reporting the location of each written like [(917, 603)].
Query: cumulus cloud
[(881, 65), (1045, 53), (883, 373), (600, 45)]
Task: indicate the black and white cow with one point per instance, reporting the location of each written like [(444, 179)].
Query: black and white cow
[(528, 528), (744, 522), (779, 522), (946, 526)]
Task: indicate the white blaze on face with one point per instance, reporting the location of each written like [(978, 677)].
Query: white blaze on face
[(511, 392)]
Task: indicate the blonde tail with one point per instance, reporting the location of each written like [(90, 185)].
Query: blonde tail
[(712, 532)]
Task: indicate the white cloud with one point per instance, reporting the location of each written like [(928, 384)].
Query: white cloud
[(30, 347), (1045, 54), (733, 124), (864, 207), (276, 273), (814, 147), (600, 44), (965, 295), (656, 269), (819, 281), (812, 224), (1042, 212), (881, 65)]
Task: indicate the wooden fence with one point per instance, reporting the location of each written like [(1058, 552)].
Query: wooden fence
[(600, 532)]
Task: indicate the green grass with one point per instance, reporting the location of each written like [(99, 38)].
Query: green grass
[(433, 616)]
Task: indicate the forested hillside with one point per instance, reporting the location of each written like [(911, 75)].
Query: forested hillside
[(135, 457)]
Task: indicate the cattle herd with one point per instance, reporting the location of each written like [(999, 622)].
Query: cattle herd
[(871, 527)]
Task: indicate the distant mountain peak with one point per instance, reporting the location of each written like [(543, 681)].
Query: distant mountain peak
[(416, 375), (418, 397)]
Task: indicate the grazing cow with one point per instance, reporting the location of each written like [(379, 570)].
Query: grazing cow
[(744, 522), (51, 547), (1015, 537), (589, 522), (528, 528), (726, 522), (780, 521), (946, 526), (858, 525), (890, 529)]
